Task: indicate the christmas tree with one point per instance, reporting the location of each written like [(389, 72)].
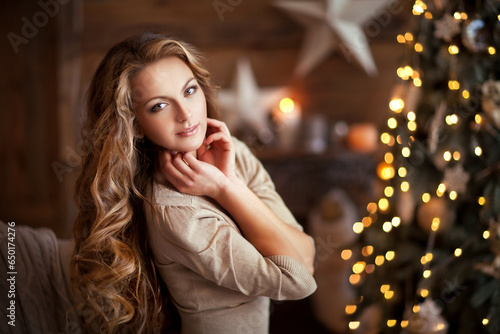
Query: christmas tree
[(429, 252)]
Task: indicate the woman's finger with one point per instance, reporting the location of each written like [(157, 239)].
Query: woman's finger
[(218, 124), (217, 136)]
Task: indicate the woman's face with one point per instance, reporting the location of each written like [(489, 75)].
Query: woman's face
[(170, 105)]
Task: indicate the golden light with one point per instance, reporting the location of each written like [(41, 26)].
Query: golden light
[(464, 16), (429, 257), (384, 288), (392, 123), (492, 50), (404, 323), (412, 126), (401, 39), (370, 268), (416, 308), (350, 309), (387, 227), (485, 321), (409, 36), (486, 234), (442, 188), (424, 293), (353, 325), (389, 191), (391, 323), (396, 221), (371, 207), (402, 171), (401, 73), (456, 155), (457, 16), (453, 85), (408, 70), (367, 250), (447, 155), (453, 195), (389, 294), (411, 116), (426, 197), (478, 119), (419, 7), (417, 82), (385, 138), (358, 267), (385, 171), (451, 119), (379, 260), (428, 15), (389, 256), (405, 186), (418, 47), (478, 151), (453, 49), (435, 224), (396, 105), (458, 252), (366, 221), (389, 157), (383, 204), (426, 274), (481, 200), (405, 152), (354, 279), (465, 94), (357, 227), (346, 254), (287, 105)]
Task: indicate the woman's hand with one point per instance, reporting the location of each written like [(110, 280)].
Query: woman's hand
[(218, 148), (191, 176)]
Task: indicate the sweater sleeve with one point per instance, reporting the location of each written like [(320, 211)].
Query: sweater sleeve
[(191, 233), (259, 181)]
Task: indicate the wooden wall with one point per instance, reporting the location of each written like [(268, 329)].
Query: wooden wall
[(43, 84)]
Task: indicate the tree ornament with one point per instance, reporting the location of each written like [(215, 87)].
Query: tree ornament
[(446, 27), (455, 179), (490, 101), (476, 36), (436, 207), (428, 320)]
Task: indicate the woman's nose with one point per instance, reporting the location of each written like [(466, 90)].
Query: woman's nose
[(183, 113)]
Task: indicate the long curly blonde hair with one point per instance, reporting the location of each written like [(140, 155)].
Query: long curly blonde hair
[(112, 268)]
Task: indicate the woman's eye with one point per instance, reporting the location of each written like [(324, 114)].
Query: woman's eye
[(158, 107), (191, 90)]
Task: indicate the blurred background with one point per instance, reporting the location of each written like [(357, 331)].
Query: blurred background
[(318, 86)]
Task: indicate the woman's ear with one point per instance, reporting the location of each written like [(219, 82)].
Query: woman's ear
[(138, 134)]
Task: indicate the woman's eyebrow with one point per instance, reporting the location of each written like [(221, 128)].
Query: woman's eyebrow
[(166, 97)]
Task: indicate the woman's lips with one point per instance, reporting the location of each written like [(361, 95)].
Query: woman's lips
[(189, 131)]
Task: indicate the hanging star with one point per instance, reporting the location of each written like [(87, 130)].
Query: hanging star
[(246, 104), (446, 27), (456, 179), (336, 25)]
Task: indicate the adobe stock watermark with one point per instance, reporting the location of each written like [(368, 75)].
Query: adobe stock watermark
[(30, 28), (223, 6)]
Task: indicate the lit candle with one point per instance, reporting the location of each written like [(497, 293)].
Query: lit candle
[(287, 117)]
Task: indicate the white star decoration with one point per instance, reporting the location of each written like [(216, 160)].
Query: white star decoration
[(338, 24), (247, 103), (456, 179)]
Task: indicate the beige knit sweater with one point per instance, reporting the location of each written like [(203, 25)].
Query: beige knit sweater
[(219, 282)]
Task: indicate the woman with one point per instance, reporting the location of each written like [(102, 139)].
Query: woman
[(166, 191)]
